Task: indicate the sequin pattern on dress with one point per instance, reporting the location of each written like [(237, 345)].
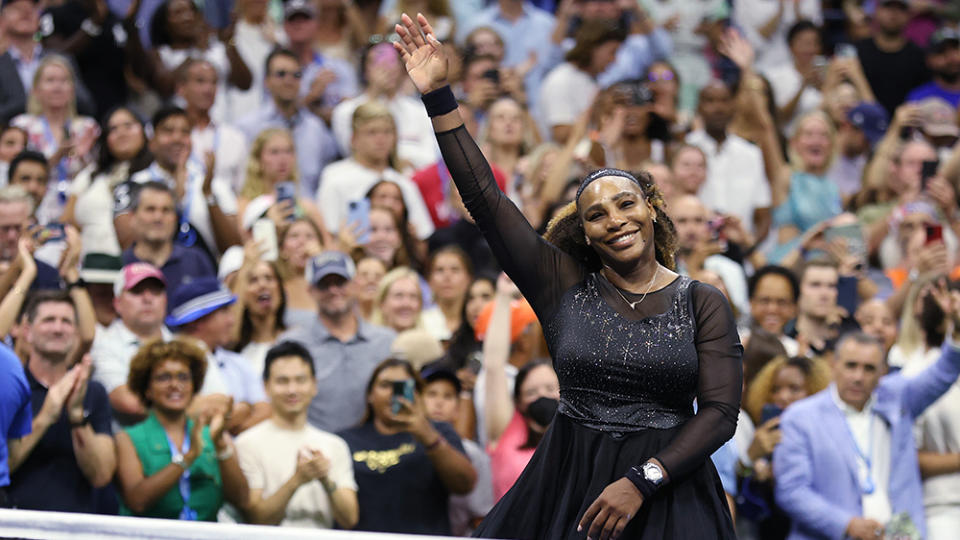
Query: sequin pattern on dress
[(624, 375)]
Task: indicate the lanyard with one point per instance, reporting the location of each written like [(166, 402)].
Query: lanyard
[(186, 235), (866, 465), (186, 513), (61, 170), (317, 59)]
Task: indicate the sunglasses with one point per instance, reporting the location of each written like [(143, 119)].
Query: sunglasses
[(665, 76)]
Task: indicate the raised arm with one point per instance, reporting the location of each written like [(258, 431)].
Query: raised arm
[(540, 270)]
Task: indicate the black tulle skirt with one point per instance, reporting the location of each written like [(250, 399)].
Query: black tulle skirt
[(573, 464)]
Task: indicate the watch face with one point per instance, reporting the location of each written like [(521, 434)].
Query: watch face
[(652, 473)]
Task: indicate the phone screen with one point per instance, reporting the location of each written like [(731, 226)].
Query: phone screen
[(928, 171), (402, 389), (934, 233), (358, 218)]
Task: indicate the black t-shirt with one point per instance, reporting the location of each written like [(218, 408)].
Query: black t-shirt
[(101, 63), (892, 75), (399, 490), (50, 478)]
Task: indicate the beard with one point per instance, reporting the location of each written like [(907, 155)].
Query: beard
[(949, 76)]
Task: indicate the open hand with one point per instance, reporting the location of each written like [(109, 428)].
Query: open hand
[(422, 53)]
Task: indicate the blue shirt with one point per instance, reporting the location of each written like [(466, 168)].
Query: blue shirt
[(343, 369), (16, 417), (932, 89), (530, 32), (184, 265), (315, 145), (343, 87)]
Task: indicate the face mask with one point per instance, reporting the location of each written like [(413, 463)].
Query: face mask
[(542, 410)]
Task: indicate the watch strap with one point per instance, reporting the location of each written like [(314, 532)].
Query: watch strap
[(644, 486), (84, 420)]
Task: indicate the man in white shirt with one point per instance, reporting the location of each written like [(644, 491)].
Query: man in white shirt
[(847, 460), (197, 87), (299, 476), (140, 300), (736, 182), (698, 251), (383, 76), (201, 309)]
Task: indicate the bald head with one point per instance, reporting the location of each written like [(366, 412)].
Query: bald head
[(690, 218)]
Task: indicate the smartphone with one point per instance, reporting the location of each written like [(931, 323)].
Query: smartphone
[(934, 233), (358, 217), (769, 412), (474, 363), (845, 50), (402, 389), (493, 75), (821, 63), (286, 193), (53, 232), (853, 234), (265, 234), (928, 171)]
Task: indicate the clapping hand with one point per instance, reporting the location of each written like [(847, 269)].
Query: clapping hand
[(422, 53), (311, 465), (78, 392)]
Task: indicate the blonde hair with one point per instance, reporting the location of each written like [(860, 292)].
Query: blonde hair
[(374, 110), (254, 184), (796, 162), (33, 104), (816, 377), (387, 281), (530, 137)]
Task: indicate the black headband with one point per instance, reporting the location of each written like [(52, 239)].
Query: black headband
[(605, 172)]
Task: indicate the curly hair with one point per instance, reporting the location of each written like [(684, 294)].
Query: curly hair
[(566, 228), (816, 377), (155, 352)]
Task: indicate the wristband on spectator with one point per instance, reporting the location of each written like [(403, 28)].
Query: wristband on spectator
[(439, 102), (435, 444), (646, 487)]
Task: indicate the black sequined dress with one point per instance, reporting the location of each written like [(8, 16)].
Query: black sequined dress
[(628, 378)]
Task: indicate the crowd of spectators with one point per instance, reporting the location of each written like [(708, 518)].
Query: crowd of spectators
[(238, 283)]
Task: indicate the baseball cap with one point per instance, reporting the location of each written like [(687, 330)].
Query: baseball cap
[(230, 262), (133, 274), (521, 315), (941, 38), (939, 117), (870, 118), (100, 268), (299, 7), (439, 371), (327, 263), (197, 298)]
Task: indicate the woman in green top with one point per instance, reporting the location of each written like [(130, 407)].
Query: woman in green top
[(171, 466)]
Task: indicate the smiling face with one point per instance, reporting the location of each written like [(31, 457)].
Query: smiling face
[(772, 304), (33, 177), (199, 89), (401, 304), (12, 142), (384, 235), (182, 20), (876, 319), (125, 136), (171, 141), (617, 220), (290, 386), (388, 195), (789, 385), (171, 385)]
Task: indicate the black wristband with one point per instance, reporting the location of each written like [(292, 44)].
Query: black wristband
[(646, 487), (439, 102)]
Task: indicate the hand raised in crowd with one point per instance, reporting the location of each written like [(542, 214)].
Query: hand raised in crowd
[(210, 405), (311, 465), (412, 419), (734, 231), (932, 257), (848, 264), (319, 85), (422, 53), (864, 529), (735, 47), (70, 258), (765, 439), (281, 214), (132, 11), (699, 254), (78, 392), (506, 288), (24, 260), (210, 165), (949, 302), (97, 10), (943, 195), (906, 115)]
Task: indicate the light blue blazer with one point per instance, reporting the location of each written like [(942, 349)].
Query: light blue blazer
[(815, 465)]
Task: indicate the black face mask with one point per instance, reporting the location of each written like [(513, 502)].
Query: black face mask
[(542, 410)]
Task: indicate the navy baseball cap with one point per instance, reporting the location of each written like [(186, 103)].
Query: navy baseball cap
[(327, 263), (440, 371), (197, 298), (870, 118)]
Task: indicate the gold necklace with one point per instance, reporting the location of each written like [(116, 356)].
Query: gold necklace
[(633, 305)]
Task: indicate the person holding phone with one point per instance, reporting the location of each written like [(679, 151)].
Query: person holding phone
[(406, 467), (635, 457)]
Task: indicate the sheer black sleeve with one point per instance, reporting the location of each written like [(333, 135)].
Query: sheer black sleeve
[(719, 386), (541, 271)]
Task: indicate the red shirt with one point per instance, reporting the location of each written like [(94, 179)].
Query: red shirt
[(434, 181)]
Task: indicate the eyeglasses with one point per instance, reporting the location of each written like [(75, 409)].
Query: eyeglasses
[(282, 74), (665, 76), (166, 378)]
